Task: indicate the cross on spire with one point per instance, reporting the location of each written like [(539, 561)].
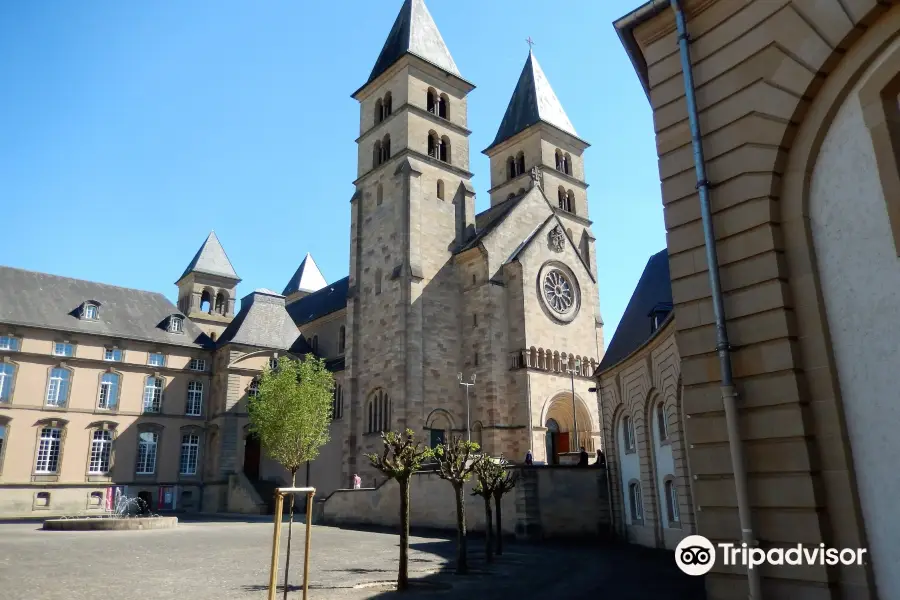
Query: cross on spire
[(530, 43)]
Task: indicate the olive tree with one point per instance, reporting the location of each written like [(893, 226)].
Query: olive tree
[(456, 461), (290, 413), (401, 456)]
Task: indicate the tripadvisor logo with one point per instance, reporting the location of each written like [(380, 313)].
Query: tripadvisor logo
[(696, 555)]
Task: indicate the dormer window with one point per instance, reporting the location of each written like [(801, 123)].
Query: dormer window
[(90, 310), (176, 324), (658, 315)]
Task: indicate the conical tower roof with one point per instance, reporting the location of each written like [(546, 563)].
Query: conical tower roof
[(307, 278), (414, 32), (211, 260), (532, 101)]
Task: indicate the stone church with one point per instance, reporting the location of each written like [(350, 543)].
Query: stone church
[(102, 386)]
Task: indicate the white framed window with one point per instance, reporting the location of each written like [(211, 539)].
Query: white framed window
[(47, 462), (194, 405), (273, 363), (190, 449), (197, 364), (101, 450), (153, 394), (176, 324), (7, 372), (146, 455), (637, 505), (156, 359), (109, 391), (253, 390), (58, 387), (63, 349), (91, 312), (8, 342), (113, 354), (672, 501)]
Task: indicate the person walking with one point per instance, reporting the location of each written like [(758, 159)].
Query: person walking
[(529, 458), (583, 458), (601, 460), (357, 481)]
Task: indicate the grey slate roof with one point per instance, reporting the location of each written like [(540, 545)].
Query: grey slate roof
[(318, 304), (263, 322), (35, 299), (488, 220), (211, 259), (532, 101), (307, 278), (414, 32), (653, 289)]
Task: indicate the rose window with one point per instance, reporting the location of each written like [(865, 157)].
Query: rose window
[(558, 291)]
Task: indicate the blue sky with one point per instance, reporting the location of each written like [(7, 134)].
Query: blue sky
[(129, 130)]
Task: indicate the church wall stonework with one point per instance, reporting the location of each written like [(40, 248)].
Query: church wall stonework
[(770, 77)]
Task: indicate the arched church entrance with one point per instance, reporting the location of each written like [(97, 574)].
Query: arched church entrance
[(252, 456), (555, 440), (561, 427)]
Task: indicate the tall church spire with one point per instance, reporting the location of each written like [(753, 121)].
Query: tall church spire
[(532, 101), (414, 32)]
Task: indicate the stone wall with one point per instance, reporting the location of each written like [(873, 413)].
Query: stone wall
[(548, 502)]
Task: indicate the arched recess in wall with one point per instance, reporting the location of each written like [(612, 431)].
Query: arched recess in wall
[(440, 426), (559, 409), (853, 97)]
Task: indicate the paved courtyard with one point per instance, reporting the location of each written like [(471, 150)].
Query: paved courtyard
[(207, 560)]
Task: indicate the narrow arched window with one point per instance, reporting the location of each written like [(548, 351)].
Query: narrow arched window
[(510, 167), (386, 148), (567, 164), (672, 501), (570, 202), (205, 301), (430, 103), (220, 303), (662, 425), (520, 163), (445, 149), (440, 189), (637, 504), (379, 111), (376, 154), (444, 107), (379, 195), (342, 339), (387, 107), (628, 434), (559, 161), (433, 145), (378, 277), (561, 196)]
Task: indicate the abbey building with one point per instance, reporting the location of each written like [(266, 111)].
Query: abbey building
[(102, 386)]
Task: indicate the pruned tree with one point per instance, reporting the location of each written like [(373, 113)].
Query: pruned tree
[(456, 461), (488, 473), (506, 481), (290, 413), (401, 457)]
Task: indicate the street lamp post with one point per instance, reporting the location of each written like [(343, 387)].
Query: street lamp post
[(574, 411), (467, 385)]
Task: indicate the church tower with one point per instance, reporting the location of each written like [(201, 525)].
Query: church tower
[(413, 203), (207, 288), (536, 133)]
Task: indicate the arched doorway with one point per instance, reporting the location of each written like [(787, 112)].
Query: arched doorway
[(439, 426), (557, 441), (252, 455)]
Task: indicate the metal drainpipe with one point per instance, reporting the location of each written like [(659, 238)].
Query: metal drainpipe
[(722, 346)]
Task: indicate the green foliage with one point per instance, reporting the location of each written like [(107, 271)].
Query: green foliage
[(402, 455), (292, 410), (489, 473), (457, 460), (506, 480)]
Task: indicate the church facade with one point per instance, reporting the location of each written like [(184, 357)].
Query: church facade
[(153, 396)]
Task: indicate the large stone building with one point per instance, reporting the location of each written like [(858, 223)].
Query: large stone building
[(102, 385), (797, 106)]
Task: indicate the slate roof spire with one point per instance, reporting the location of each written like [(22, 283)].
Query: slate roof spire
[(532, 101), (307, 278), (211, 260), (414, 32)]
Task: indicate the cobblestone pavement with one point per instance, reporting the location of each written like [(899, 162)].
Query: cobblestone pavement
[(230, 559)]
